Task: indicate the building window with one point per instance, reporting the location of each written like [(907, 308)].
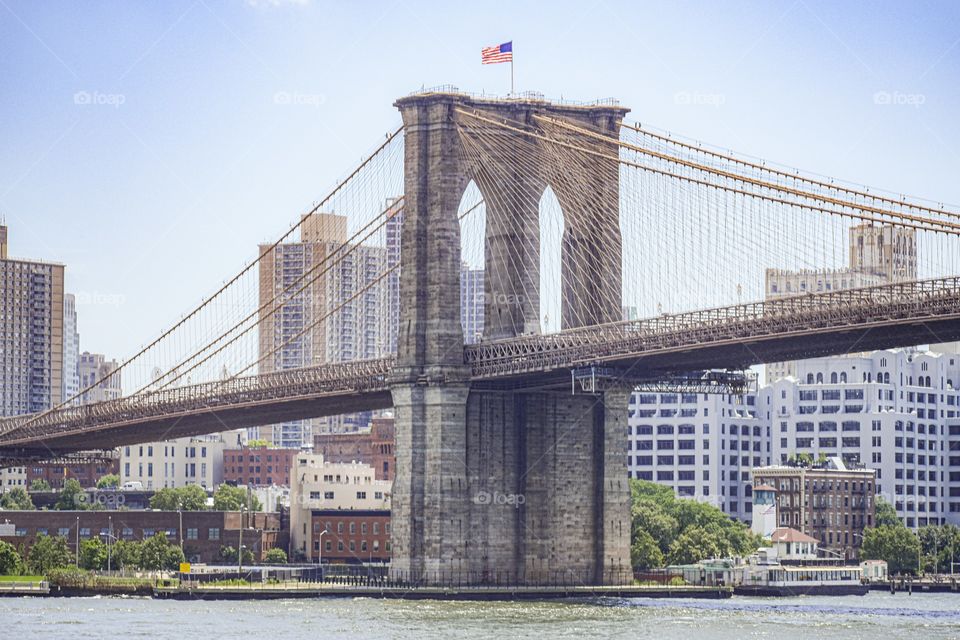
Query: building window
[(213, 533)]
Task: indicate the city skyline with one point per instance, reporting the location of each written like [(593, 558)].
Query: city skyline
[(315, 275), (165, 177)]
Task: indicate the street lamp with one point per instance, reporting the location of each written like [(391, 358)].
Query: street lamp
[(78, 542), (320, 550), (110, 538)]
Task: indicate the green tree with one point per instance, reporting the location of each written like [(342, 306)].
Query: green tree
[(644, 552), (93, 554), (158, 553), (72, 497), (651, 518), (109, 481), (125, 553), (897, 545), (17, 499), (684, 531), (189, 498), (48, 553), (165, 499), (275, 556), (193, 497), (257, 444), (39, 484), (939, 546), (228, 555), (696, 544), (11, 564), (886, 514), (229, 498)]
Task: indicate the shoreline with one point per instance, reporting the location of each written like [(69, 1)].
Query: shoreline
[(315, 591)]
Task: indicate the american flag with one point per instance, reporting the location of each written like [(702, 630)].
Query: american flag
[(500, 53)]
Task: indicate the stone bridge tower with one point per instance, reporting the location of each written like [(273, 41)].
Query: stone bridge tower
[(526, 482)]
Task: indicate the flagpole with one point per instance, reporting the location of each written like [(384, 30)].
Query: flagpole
[(511, 73)]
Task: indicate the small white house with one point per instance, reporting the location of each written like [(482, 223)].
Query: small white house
[(874, 570), (790, 544)]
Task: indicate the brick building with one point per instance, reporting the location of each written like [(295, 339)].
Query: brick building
[(86, 472), (258, 466), (202, 532), (350, 536), (373, 446), (831, 502)]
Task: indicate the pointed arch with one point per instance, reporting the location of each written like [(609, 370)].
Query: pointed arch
[(473, 234), (551, 224)]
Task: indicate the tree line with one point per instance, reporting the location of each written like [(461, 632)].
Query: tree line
[(157, 553), (189, 498), (931, 549), (667, 530)]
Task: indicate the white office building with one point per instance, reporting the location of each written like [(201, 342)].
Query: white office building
[(13, 478), (180, 462), (703, 446), (317, 484), (897, 411)]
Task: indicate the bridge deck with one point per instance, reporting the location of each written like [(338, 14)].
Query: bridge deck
[(729, 337)]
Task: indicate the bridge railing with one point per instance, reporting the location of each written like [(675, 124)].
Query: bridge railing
[(806, 311), (359, 375), (564, 350)]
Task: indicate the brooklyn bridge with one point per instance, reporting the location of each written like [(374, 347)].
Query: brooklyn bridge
[(614, 257)]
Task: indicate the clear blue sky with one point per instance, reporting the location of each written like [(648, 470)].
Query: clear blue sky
[(153, 202)]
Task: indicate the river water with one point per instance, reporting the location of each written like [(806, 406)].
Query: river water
[(877, 616)]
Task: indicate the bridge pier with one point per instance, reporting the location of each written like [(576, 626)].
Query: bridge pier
[(517, 487), (547, 483), (498, 485)]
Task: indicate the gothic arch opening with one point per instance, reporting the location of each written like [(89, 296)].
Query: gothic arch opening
[(473, 239), (551, 253)]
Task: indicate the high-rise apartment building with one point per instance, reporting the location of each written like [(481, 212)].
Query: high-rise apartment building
[(31, 333), (471, 303), (337, 307), (94, 367), (71, 348)]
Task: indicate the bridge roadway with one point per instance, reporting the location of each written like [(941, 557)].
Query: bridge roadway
[(739, 336)]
